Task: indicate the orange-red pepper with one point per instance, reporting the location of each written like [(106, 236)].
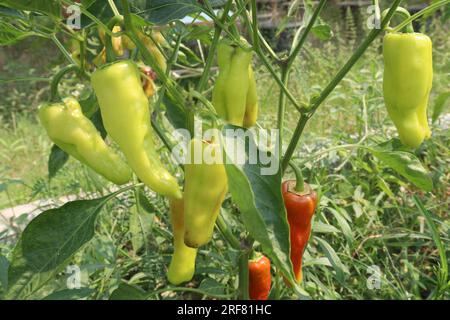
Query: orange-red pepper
[(300, 207)]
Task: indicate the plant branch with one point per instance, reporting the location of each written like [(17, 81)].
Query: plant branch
[(334, 82)]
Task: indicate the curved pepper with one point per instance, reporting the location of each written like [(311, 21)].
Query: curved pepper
[(300, 209), (231, 89), (407, 81), (182, 265), (70, 130), (205, 187), (259, 278), (126, 116)]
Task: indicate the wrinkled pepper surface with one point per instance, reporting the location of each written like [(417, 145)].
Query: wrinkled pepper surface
[(259, 278), (408, 76), (204, 191), (234, 94), (182, 265), (73, 132), (300, 209), (126, 116)]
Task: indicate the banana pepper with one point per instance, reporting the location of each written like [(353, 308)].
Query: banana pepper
[(234, 94), (126, 116), (74, 133), (408, 76), (182, 265), (204, 191)]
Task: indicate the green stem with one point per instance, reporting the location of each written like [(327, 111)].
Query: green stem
[(243, 275), (428, 9), (160, 132), (304, 35), (227, 234), (62, 49), (404, 13), (334, 82), (300, 182), (110, 55), (282, 106), (54, 95), (294, 141)]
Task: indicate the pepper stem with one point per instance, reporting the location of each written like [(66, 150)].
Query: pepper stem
[(54, 95), (300, 182), (401, 12)]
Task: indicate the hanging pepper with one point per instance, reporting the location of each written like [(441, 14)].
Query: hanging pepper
[(126, 116), (407, 82), (204, 189), (234, 92), (117, 42), (259, 278), (182, 265), (251, 109), (300, 207), (70, 130)]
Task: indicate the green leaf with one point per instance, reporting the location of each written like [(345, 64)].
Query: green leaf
[(4, 265), (11, 34), (211, 287), (126, 291), (322, 31), (140, 227), (175, 114), (50, 7), (56, 160), (48, 242), (70, 294), (343, 224), (443, 267), (407, 165), (259, 199), (334, 259), (320, 227), (440, 104)]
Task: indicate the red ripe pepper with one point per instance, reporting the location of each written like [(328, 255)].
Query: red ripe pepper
[(259, 278), (300, 207)]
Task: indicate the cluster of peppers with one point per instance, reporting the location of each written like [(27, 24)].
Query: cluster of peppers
[(125, 113)]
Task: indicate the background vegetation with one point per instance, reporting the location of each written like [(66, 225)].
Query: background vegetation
[(367, 217)]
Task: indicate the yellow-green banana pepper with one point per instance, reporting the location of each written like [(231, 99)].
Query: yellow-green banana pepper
[(234, 93), (205, 187), (126, 116), (408, 76), (73, 132), (182, 265)]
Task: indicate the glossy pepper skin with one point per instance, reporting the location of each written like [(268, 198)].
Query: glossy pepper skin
[(300, 209), (259, 278), (205, 187), (126, 116), (407, 82), (235, 91), (73, 132), (182, 265)]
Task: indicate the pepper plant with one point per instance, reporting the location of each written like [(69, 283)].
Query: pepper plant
[(149, 73)]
